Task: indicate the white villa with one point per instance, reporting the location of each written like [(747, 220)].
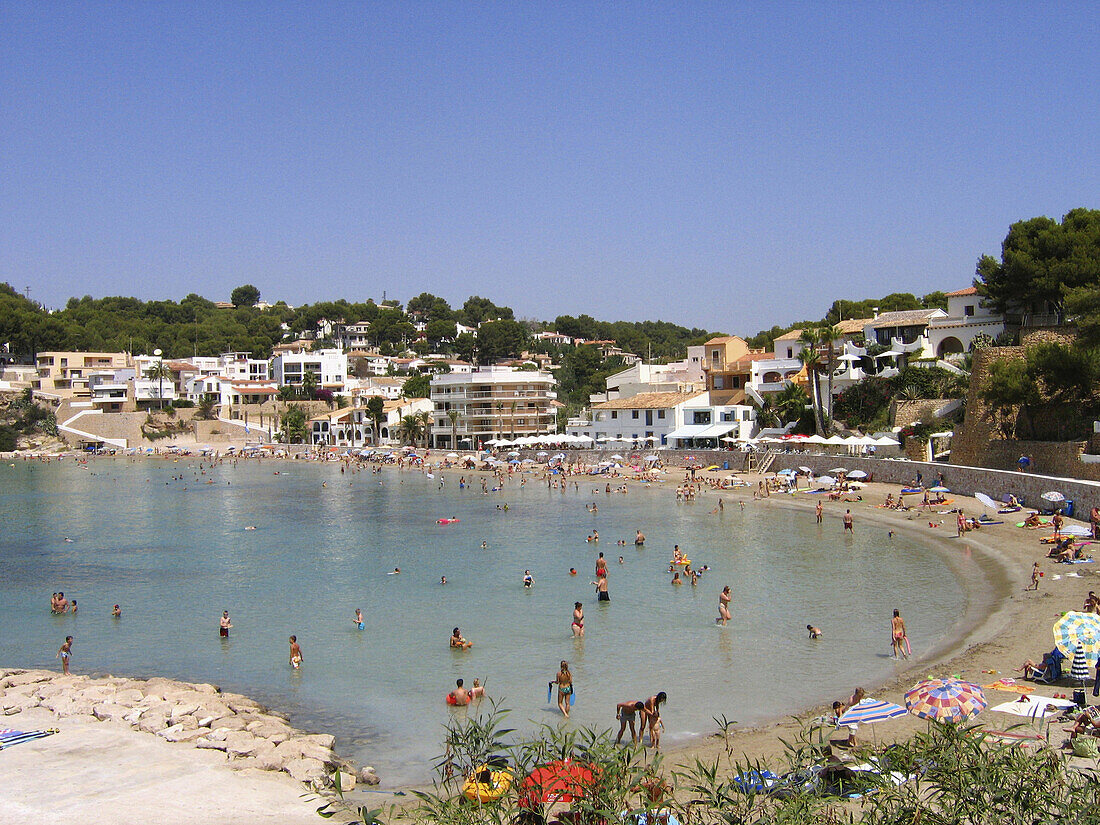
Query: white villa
[(352, 427), (967, 318), (330, 366)]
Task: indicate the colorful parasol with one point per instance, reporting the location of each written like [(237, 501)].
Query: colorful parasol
[(1077, 628), (945, 700)]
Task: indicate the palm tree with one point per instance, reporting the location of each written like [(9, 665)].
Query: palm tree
[(827, 335), (409, 429), (500, 419), (376, 409), (158, 372), (808, 356), (513, 414), (766, 413), (309, 384), (425, 419), (453, 416), (790, 402)]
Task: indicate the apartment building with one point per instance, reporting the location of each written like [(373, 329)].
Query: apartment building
[(491, 402)]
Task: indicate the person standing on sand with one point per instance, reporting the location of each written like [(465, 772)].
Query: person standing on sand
[(564, 682), (849, 526), (818, 510), (1035, 575), (295, 653), (626, 712), (723, 606), (651, 716), (65, 653), (898, 638)]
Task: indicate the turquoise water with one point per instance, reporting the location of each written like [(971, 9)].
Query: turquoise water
[(174, 553)]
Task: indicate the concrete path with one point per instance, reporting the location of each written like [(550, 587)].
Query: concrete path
[(109, 774)]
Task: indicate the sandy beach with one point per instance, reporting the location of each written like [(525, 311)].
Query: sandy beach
[(110, 773)]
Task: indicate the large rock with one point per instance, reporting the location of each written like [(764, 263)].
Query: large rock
[(294, 748), (178, 733), (211, 744), (152, 722), (128, 697), (78, 707), (241, 743), (109, 710), (26, 677), (183, 709), (368, 777), (266, 757), (242, 704), (305, 770), (346, 779), (322, 739)]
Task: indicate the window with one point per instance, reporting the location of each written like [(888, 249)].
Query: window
[(719, 382), (701, 417), (614, 414), (660, 413), (728, 416), (790, 352), (633, 413), (968, 310)]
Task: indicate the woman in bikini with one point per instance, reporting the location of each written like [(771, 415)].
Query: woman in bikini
[(578, 619), (565, 688), (897, 635), (723, 606)]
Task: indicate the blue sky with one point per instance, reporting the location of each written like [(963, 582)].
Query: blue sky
[(723, 165)]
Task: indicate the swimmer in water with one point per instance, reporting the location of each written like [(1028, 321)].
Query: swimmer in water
[(572, 571), (295, 653), (528, 579), (442, 579), (116, 612), (458, 641), (815, 632), (358, 620), (395, 571), (484, 546)]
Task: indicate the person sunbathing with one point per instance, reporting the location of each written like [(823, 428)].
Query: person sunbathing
[(1028, 666), (1033, 521), (1063, 550), (889, 500), (1086, 723)]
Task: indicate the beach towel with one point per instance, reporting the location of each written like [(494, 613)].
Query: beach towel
[(1009, 685)]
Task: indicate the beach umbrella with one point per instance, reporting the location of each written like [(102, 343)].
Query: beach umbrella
[(939, 488), (805, 469), (1081, 666), (1076, 628), (651, 458), (870, 711), (560, 781), (1053, 495), (986, 500), (826, 480), (839, 470), (451, 455), (945, 700), (887, 441), (541, 453), (857, 474), (786, 472)]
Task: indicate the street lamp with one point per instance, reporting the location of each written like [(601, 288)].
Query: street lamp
[(160, 376)]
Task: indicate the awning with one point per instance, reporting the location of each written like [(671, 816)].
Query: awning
[(717, 429), (689, 431)]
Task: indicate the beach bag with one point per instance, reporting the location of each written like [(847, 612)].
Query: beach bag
[(1086, 746)]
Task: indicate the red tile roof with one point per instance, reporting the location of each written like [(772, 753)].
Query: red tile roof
[(970, 290)]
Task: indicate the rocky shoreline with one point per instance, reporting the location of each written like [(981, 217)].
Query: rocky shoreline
[(193, 715)]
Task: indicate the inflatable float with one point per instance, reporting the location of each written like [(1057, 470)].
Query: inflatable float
[(446, 521), (450, 700), (487, 784), (684, 562)]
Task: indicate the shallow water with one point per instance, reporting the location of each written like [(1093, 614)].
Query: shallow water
[(174, 554)]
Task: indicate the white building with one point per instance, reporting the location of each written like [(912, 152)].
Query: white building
[(904, 332), (228, 392), (353, 427), (967, 318), (491, 402), (329, 366), (648, 418), (705, 425)]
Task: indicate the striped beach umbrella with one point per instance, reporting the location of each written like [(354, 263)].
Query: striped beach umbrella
[(945, 700), (1081, 666), (870, 711), (1077, 628)]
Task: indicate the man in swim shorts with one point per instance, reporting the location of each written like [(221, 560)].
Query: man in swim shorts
[(65, 653), (625, 712), (848, 522), (459, 696), (528, 579), (295, 653), (224, 624)]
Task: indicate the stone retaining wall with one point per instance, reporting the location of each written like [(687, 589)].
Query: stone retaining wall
[(1028, 487)]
